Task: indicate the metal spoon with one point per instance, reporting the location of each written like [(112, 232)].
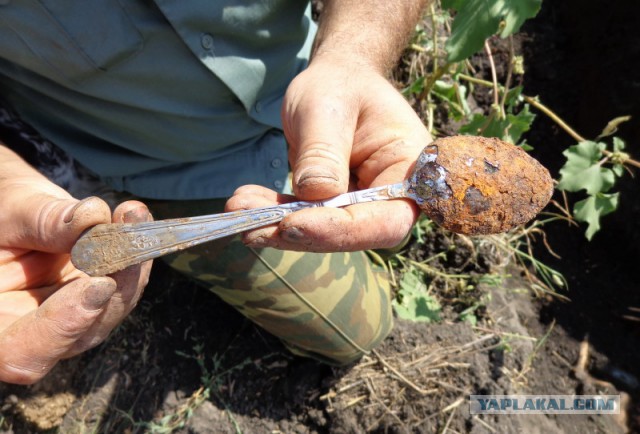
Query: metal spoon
[(108, 248), (457, 181)]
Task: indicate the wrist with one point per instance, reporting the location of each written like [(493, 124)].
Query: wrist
[(372, 33)]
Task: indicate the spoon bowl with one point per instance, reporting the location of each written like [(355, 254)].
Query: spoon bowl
[(477, 185)]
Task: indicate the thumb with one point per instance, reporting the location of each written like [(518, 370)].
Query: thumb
[(51, 224), (31, 346), (320, 134)]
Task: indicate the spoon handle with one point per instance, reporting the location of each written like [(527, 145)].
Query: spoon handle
[(107, 248)]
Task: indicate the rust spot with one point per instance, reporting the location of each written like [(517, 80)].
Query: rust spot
[(477, 185)]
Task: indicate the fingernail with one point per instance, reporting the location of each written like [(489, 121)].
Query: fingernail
[(68, 216), (258, 243), (140, 214), (293, 234), (316, 175), (97, 294)]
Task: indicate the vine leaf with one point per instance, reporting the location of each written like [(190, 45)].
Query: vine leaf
[(509, 129), (592, 208), (618, 144), (452, 4), (582, 171), (414, 303), (476, 20)]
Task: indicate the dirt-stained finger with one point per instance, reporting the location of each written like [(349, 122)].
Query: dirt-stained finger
[(130, 283), (32, 345)]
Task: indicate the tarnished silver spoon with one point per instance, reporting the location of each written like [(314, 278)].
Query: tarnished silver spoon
[(467, 184)]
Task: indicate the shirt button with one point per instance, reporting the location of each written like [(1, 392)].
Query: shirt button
[(258, 107), (276, 162), (278, 184), (206, 40)]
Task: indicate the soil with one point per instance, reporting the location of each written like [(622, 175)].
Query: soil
[(585, 67), (186, 362)]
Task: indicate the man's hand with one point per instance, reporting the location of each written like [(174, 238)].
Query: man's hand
[(48, 309), (347, 128)]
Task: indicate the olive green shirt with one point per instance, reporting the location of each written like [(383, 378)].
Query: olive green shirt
[(165, 99)]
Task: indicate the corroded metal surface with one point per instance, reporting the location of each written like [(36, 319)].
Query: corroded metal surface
[(477, 185), (469, 185)]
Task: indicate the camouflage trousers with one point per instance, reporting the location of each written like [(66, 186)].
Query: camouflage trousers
[(334, 307)]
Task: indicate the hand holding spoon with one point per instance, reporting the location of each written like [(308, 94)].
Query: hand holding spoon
[(469, 185)]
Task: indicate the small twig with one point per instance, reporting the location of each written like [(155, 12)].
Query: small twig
[(562, 124), (333, 394), (554, 117), (455, 404), (408, 382), (581, 369), (485, 424), (504, 334), (563, 360), (507, 82), (355, 400), (434, 37), (494, 76), (446, 425), (386, 408), (630, 161), (537, 104)]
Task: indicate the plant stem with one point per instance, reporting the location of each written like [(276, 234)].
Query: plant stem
[(537, 104), (554, 117), (494, 75), (431, 81), (547, 111), (507, 82), (434, 37)]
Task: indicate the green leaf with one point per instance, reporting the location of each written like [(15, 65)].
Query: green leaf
[(476, 20), (612, 126), (469, 317), (422, 228), (519, 124), (514, 96), (509, 129), (452, 4), (455, 95), (618, 144), (419, 308), (446, 91), (516, 13), (582, 171), (618, 169), (414, 88), (525, 146), (413, 302), (592, 208)]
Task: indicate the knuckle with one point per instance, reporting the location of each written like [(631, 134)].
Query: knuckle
[(237, 203), (88, 342), (19, 374), (65, 328)]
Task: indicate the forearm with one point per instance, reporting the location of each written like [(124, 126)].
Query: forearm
[(372, 32)]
